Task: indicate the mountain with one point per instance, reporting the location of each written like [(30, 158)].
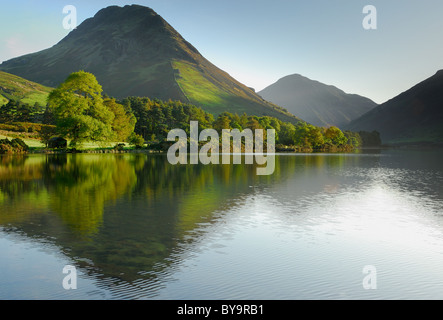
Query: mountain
[(315, 102), (133, 51), (16, 88), (415, 116)]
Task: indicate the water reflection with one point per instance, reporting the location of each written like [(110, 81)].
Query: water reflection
[(116, 216), (130, 221)]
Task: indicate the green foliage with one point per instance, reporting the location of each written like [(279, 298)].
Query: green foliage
[(223, 122), (79, 111), (287, 134), (119, 146), (82, 114), (159, 117), (136, 140), (315, 137), (335, 136), (124, 120), (48, 117), (17, 111), (300, 136), (354, 138), (156, 118)]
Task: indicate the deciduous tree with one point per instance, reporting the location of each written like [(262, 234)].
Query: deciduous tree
[(79, 110)]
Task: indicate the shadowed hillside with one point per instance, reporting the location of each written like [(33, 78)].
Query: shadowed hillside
[(415, 116)]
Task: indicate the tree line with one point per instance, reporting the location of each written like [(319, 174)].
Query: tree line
[(155, 118), (79, 111), (18, 111)]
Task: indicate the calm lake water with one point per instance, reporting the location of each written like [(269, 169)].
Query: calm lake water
[(136, 227)]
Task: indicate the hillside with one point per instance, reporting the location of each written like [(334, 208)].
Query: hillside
[(133, 51), (413, 117), (16, 88), (315, 102)]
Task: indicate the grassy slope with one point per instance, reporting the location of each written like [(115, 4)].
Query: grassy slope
[(206, 88), (197, 88), (17, 88)]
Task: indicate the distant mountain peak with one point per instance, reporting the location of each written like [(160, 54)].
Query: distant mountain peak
[(126, 12), (130, 20), (315, 102)]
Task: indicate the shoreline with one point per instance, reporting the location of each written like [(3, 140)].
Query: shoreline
[(281, 150)]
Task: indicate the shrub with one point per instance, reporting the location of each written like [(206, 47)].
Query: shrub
[(5, 148), (57, 143), (119, 146), (136, 140), (13, 146), (19, 145)]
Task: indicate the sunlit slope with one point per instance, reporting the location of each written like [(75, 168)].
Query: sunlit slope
[(16, 88), (201, 87)]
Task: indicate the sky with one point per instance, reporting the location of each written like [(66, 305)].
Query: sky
[(258, 42)]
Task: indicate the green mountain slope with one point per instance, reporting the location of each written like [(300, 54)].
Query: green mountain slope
[(413, 117), (16, 88), (315, 102), (134, 52)]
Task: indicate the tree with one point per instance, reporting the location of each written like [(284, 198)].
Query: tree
[(335, 136), (275, 123), (253, 124), (124, 120), (307, 135), (179, 115), (301, 134), (287, 133), (79, 111), (140, 107), (315, 137), (26, 112), (354, 138), (48, 117), (222, 122), (8, 112), (158, 121)]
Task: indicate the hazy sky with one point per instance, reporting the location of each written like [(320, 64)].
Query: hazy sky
[(258, 42)]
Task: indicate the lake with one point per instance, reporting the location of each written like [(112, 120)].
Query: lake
[(365, 225)]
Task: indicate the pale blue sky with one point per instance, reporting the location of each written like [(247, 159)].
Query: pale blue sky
[(258, 42)]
